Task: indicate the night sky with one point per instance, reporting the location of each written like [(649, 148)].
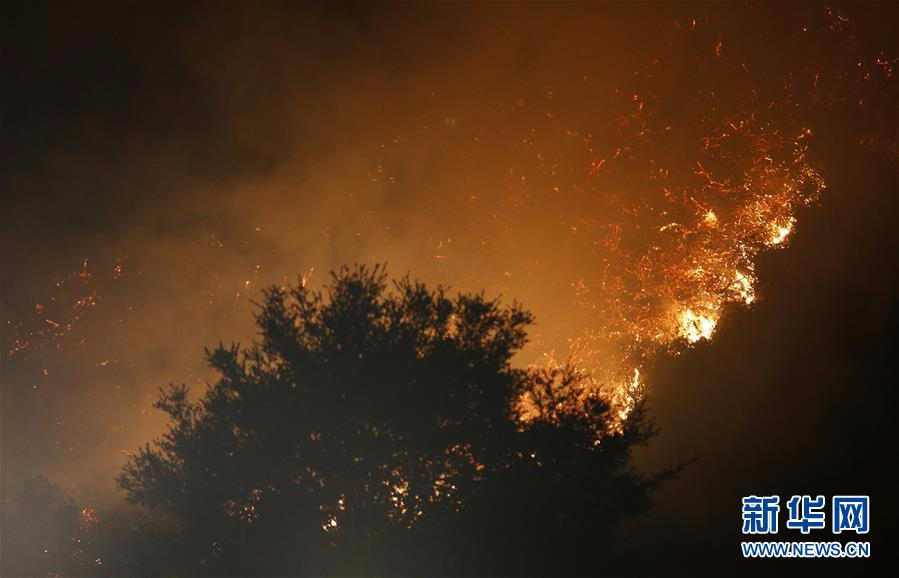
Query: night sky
[(162, 164)]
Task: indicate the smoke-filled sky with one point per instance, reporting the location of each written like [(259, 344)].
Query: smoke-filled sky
[(698, 203)]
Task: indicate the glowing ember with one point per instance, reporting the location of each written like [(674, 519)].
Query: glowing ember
[(778, 232), (742, 285), (694, 327)]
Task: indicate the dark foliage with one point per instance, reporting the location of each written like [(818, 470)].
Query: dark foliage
[(375, 431)]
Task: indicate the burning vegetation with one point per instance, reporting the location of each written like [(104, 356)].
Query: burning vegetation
[(626, 204)]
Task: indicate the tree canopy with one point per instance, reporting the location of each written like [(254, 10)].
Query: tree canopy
[(375, 428)]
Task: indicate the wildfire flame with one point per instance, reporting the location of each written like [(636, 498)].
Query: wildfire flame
[(641, 226), (665, 219)]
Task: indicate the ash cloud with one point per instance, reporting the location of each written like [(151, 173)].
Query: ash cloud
[(212, 150)]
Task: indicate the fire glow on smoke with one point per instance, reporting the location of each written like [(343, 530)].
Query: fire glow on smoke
[(628, 212), (663, 214)]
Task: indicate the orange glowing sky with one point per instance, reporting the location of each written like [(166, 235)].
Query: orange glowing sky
[(620, 181)]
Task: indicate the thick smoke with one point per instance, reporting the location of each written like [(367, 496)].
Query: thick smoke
[(616, 169)]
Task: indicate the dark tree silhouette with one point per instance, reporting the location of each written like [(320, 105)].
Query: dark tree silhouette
[(375, 431)]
